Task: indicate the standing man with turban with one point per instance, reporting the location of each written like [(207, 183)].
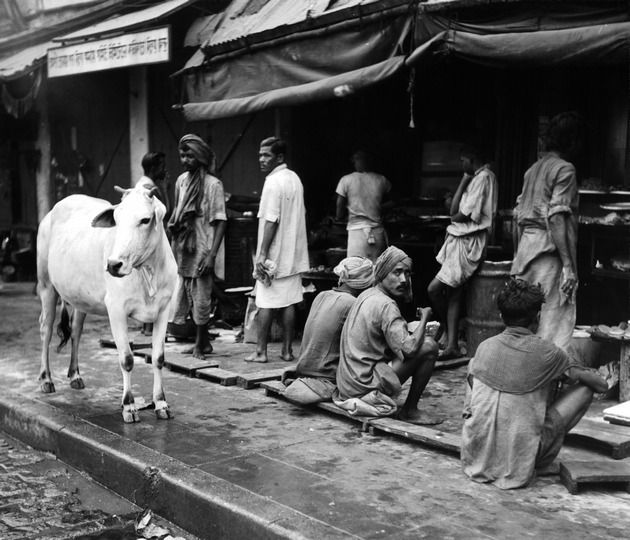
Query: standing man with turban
[(378, 353), (197, 227), (281, 254), (319, 355)]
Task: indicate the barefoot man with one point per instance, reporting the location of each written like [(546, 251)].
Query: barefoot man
[(281, 254), (197, 227), (378, 353)]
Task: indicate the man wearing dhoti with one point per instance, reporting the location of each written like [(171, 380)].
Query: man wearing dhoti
[(378, 353), (282, 253)]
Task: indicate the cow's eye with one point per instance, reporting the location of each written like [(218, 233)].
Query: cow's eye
[(145, 221)]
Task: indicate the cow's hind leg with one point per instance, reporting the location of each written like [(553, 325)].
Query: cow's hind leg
[(48, 297), (162, 410), (76, 382), (118, 324)]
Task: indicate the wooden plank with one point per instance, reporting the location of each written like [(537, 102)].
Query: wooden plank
[(427, 436), (215, 374), (276, 389), (574, 474), (452, 363), (610, 438), (187, 364), (273, 388), (253, 380), (110, 344)]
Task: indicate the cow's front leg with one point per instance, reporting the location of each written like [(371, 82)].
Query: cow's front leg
[(162, 410), (118, 324), (76, 382)]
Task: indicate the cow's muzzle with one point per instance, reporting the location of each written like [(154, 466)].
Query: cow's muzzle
[(114, 266)]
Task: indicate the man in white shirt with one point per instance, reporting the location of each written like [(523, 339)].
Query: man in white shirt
[(282, 253), (361, 193)]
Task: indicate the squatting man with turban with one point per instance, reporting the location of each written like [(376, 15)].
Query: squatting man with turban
[(197, 226), (316, 370), (378, 353)]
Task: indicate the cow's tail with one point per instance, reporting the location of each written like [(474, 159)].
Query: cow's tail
[(63, 328)]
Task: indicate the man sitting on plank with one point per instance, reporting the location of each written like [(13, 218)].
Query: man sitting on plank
[(319, 355), (514, 421), (378, 353)]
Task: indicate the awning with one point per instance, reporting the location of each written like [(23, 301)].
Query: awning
[(25, 61), (586, 45), (285, 74), (128, 21), (328, 88)]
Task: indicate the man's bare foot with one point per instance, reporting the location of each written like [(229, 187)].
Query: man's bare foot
[(256, 357), (287, 357), (419, 417), (200, 353), (450, 354)]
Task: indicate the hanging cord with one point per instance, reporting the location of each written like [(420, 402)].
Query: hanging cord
[(411, 89)]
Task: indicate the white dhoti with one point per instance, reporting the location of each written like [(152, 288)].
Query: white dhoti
[(460, 257), (367, 242), (281, 293)]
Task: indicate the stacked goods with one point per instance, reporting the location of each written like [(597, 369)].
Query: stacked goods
[(621, 331)]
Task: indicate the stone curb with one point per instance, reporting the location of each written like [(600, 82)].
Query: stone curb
[(199, 502)]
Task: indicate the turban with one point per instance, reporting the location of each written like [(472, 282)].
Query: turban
[(356, 272), (199, 148), (387, 261)]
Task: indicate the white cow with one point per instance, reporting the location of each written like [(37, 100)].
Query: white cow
[(112, 260)]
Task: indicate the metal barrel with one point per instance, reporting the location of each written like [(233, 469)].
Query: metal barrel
[(483, 319)]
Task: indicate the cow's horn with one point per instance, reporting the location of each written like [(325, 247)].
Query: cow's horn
[(154, 191), (122, 190)]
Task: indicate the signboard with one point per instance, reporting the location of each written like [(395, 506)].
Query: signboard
[(148, 47)]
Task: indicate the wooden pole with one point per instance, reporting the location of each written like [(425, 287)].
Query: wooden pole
[(138, 121), (43, 180)]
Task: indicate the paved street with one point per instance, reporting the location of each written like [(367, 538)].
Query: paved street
[(42, 498), (280, 463)]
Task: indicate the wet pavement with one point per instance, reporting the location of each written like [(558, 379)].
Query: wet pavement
[(42, 498), (297, 472)]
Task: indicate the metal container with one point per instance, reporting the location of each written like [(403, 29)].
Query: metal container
[(483, 319)]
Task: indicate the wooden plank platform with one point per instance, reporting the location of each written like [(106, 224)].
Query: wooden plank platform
[(452, 363), (419, 434), (276, 389), (134, 346), (610, 438), (186, 363), (253, 380), (574, 474), (218, 375), (427, 436)]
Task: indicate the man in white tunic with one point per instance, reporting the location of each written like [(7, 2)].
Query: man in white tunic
[(281, 254)]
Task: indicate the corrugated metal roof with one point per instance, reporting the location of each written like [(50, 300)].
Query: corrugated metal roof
[(23, 61), (246, 17), (127, 21)]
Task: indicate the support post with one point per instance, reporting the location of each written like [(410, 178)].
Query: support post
[(138, 121), (42, 177)]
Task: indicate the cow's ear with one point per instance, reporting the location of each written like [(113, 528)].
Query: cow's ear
[(159, 212), (105, 219)]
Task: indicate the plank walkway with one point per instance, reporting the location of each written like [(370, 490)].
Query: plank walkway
[(576, 474), (609, 438)]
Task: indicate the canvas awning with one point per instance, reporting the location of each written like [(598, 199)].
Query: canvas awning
[(317, 64), (23, 62), (587, 45), (328, 88)]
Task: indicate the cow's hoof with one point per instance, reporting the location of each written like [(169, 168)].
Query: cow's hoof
[(130, 416), (163, 414), (77, 383), (47, 387)]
